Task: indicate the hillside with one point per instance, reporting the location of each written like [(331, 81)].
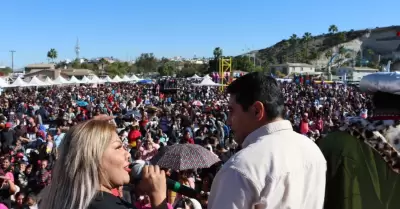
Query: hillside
[(319, 49)]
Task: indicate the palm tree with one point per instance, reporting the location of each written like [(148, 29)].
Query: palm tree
[(52, 54), (333, 29), (306, 38), (103, 62), (217, 53), (293, 43)]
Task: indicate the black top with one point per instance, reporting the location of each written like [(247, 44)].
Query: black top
[(105, 200)]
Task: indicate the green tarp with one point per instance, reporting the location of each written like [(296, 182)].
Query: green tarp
[(357, 177)]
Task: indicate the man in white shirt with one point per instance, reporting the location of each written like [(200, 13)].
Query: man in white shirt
[(277, 167)]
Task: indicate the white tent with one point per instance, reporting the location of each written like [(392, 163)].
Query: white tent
[(74, 80), (117, 79), (19, 83), (207, 76), (36, 82), (48, 81), (195, 76), (85, 79), (96, 80), (135, 78), (107, 79), (126, 78), (3, 83), (207, 82), (60, 81)]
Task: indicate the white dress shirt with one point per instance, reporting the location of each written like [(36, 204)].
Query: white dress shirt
[(277, 168)]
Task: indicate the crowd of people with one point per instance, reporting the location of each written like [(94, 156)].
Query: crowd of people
[(34, 122)]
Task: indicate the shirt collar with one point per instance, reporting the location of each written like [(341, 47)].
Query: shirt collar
[(266, 130)]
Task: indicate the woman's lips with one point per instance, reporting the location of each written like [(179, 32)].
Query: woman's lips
[(127, 169)]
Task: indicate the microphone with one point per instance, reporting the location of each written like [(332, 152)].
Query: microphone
[(136, 175)]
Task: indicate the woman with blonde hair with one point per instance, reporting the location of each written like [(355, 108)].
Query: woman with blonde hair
[(92, 161)]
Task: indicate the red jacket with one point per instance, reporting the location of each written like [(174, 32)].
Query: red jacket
[(133, 136)]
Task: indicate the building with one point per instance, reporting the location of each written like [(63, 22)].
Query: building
[(54, 73), (290, 68), (38, 67), (354, 73)]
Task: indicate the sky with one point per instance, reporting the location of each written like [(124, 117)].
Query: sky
[(126, 28)]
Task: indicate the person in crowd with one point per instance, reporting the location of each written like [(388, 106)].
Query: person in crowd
[(277, 167)]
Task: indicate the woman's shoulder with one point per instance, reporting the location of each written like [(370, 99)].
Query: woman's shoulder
[(105, 200)]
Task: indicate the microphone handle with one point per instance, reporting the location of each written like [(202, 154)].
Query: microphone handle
[(181, 189)]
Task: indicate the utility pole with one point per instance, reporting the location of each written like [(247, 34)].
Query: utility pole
[(12, 59)]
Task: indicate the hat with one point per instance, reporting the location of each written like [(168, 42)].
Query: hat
[(388, 82), (8, 125)]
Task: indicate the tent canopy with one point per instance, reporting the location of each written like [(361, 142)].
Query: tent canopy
[(117, 79), (126, 78), (19, 83), (85, 80), (107, 79), (207, 82), (3, 83), (96, 80), (36, 82), (195, 76), (60, 80), (135, 78), (48, 81), (74, 80)]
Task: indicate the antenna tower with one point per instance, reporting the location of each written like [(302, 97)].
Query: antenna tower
[(77, 48)]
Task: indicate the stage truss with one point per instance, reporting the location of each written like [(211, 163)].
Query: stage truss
[(225, 65)]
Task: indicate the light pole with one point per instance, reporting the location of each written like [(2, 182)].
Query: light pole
[(12, 59)]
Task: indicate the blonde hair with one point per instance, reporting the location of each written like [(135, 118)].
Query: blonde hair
[(77, 174)]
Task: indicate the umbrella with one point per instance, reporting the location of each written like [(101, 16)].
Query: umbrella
[(181, 157), (82, 103), (197, 103)]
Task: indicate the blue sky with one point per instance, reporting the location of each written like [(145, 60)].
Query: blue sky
[(126, 28)]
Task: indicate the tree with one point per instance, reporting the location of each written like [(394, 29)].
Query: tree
[(242, 63), (328, 54), (342, 51), (190, 69), (341, 37), (117, 68), (293, 43), (146, 62), (333, 29), (76, 64), (5, 71), (102, 63), (166, 69), (217, 53), (52, 54), (306, 38)]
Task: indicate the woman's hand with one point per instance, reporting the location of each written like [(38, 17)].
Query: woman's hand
[(154, 184)]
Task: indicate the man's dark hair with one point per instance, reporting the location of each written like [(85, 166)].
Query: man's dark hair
[(261, 87)]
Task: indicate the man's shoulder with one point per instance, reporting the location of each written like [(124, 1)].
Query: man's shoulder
[(272, 155)]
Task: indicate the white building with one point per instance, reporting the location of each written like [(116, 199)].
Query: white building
[(289, 68)]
